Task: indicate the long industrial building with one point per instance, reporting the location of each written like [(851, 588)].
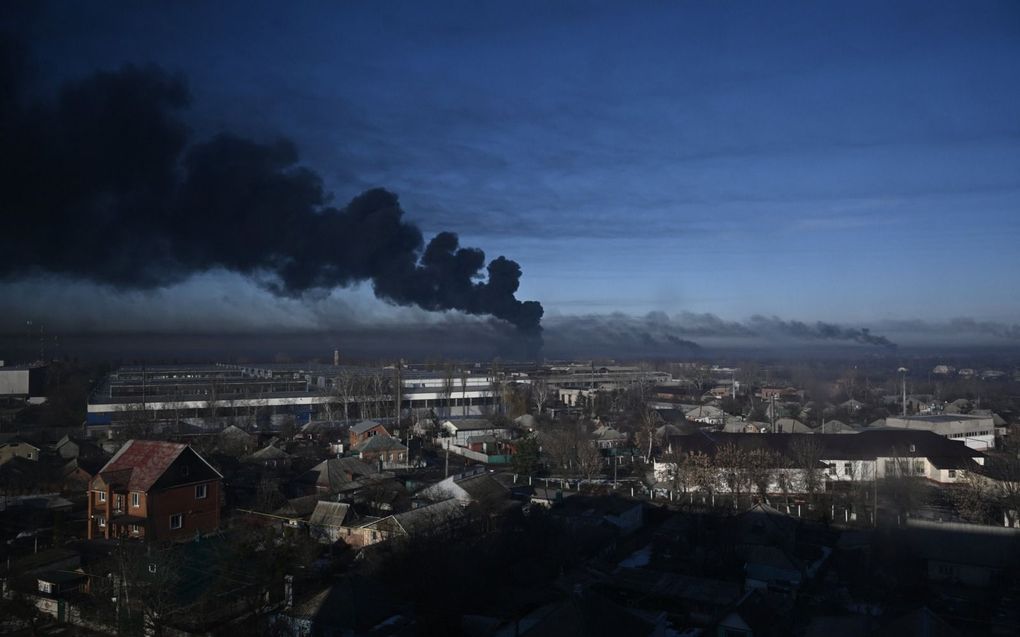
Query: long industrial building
[(268, 395)]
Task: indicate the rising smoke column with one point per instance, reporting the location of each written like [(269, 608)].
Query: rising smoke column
[(103, 183)]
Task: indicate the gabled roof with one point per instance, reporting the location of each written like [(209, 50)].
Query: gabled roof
[(426, 519), (233, 431), (379, 443), (330, 514), (270, 453), (298, 507), (363, 426), (473, 424), (140, 463), (336, 472)]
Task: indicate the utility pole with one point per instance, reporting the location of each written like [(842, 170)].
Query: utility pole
[(398, 398), (903, 375)]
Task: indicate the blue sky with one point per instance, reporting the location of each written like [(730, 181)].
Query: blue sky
[(844, 162)]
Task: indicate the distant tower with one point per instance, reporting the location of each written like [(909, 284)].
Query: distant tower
[(336, 358)]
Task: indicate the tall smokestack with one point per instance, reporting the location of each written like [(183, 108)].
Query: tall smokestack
[(336, 358)]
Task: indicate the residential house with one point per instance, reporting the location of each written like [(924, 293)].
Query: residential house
[(18, 449), (236, 441), (792, 426), (330, 476), (626, 516), (608, 438), (364, 430), (430, 520), (474, 487), (461, 430), (78, 472), (156, 491), (837, 427), (386, 452), (297, 510), (707, 414), (270, 456), (70, 447), (326, 523)]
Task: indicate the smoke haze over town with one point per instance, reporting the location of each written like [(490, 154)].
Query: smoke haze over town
[(683, 177)]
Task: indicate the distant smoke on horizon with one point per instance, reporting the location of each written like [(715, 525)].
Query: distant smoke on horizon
[(102, 183), (676, 331)]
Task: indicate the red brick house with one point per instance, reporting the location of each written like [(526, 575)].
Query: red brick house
[(156, 491), (364, 430)]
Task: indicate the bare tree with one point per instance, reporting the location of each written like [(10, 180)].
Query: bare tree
[(973, 498), (733, 462), (589, 457), (762, 465), (558, 445), (702, 472), (806, 455), (344, 385), (679, 472), (541, 394), (650, 421), (448, 385), (902, 484)]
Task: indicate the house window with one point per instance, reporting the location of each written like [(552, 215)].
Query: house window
[(919, 467), (101, 521), (135, 529), (102, 496), (201, 491), (847, 468), (136, 500), (952, 473), (832, 468), (45, 587), (176, 521)]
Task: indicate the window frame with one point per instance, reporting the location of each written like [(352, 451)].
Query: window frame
[(204, 488), (180, 521), (136, 500), (102, 496)]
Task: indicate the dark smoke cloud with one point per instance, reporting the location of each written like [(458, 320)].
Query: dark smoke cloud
[(102, 183), (672, 334), (771, 325), (957, 327)]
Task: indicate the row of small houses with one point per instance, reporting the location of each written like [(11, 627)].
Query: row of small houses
[(836, 457)]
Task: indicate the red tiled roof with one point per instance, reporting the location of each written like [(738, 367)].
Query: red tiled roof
[(139, 463)]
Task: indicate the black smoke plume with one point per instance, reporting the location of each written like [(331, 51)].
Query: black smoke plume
[(766, 325), (663, 334), (103, 183)]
